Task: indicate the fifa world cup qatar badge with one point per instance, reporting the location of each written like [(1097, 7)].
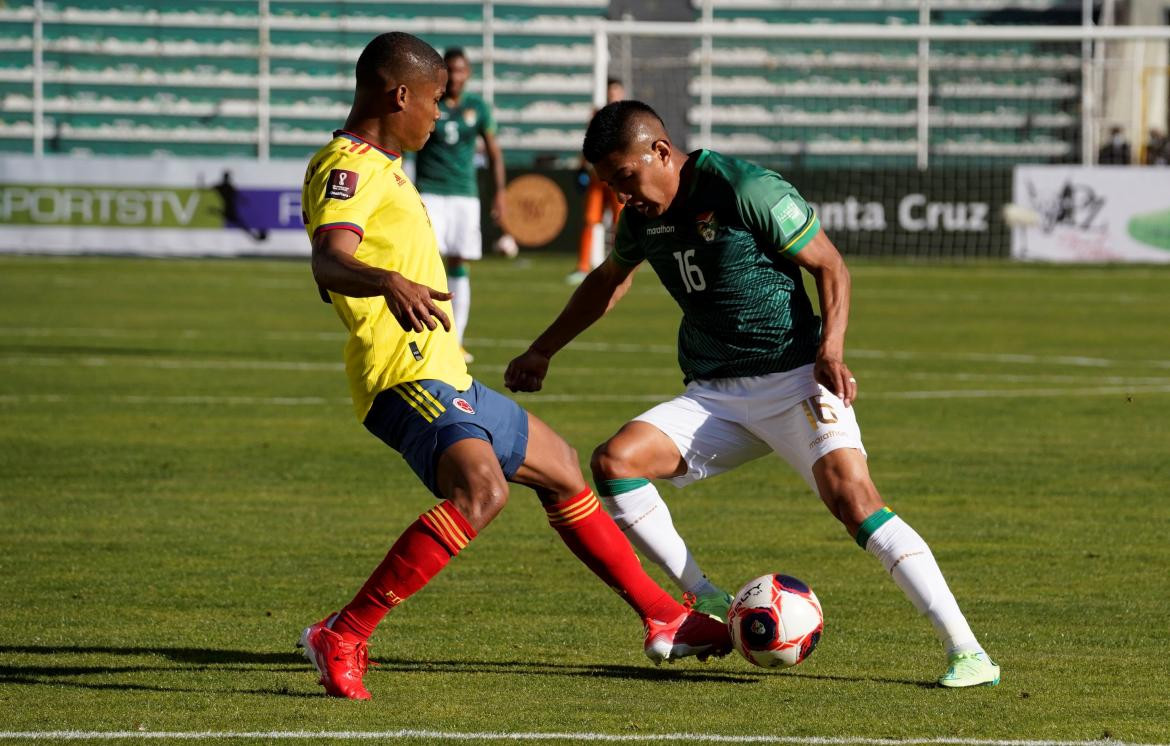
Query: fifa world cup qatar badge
[(463, 405), (342, 184)]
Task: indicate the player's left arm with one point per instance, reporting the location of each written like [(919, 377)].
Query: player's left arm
[(779, 217), (822, 260)]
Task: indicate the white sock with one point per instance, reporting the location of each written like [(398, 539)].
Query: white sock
[(460, 288), (643, 516), (909, 561)]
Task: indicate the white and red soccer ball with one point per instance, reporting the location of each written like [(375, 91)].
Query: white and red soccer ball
[(775, 621)]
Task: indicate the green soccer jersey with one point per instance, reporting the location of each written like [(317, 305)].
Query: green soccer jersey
[(446, 164), (722, 251)]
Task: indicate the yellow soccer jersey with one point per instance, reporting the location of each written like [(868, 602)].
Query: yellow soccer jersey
[(354, 185)]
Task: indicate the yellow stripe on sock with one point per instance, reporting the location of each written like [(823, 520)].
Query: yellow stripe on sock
[(442, 524), (579, 510), (447, 526), (444, 534)]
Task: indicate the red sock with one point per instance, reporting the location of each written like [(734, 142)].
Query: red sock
[(592, 535), (422, 550)]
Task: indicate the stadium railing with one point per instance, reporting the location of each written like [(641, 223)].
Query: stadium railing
[(805, 84)]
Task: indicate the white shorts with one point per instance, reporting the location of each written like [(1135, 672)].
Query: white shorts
[(456, 223), (720, 424)]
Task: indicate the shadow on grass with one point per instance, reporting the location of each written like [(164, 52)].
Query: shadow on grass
[(197, 659), (643, 673), (65, 673)]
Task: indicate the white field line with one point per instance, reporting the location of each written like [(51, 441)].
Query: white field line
[(642, 349), (666, 371), (276, 401), (1015, 297), (76, 735), (530, 400), (926, 394)]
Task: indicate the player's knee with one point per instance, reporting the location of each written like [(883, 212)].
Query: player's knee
[(611, 461), (483, 495), (850, 496)]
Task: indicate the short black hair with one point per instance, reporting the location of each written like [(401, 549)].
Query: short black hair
[(611, 128), (452, 53), (396, 57)]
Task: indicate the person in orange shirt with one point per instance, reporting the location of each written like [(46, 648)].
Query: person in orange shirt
[(599, 199)]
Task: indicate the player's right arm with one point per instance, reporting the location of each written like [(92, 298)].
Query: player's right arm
[(337, 268), (595, 296)]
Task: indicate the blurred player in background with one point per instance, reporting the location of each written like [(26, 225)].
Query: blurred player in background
[(445, 173), (728, 240), (374, 252), (599, 200)]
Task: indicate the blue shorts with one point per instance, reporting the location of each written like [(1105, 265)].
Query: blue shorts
[(421, 419)]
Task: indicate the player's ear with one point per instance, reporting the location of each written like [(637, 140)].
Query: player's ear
[(398, 96), (661, 150)]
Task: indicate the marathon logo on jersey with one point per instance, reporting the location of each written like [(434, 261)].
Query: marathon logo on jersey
[(463, 406), (469, 117), (707, 225), (342, 184)]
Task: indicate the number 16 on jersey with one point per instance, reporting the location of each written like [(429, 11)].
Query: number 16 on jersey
[(692, 276)]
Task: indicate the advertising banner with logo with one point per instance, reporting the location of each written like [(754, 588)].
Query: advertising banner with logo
[(190, 207), (157, 207), (943, 213), (1098, 214)]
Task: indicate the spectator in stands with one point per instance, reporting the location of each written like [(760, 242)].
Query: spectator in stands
[(1115, 151), (445, 174), (599, 199), (1157, 149)]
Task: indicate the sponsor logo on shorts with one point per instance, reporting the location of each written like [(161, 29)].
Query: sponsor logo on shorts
[(342, 184), (463, 406), (826, 436)]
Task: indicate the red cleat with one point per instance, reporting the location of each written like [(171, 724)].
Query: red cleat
[(341, 663), (690, 633)]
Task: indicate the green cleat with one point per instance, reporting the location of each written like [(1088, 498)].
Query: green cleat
[(713, 604), (970, 669)]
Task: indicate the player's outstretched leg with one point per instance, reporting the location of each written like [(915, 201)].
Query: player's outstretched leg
[(845, 486), (673, 631), (642, 514)]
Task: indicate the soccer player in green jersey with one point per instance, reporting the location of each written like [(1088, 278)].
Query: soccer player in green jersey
[(445, 175), (764, 373)]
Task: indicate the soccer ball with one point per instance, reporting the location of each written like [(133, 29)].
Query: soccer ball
[(507, 246), (775, 621)]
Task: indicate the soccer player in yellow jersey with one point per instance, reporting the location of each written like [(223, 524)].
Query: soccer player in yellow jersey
[(376, 257)]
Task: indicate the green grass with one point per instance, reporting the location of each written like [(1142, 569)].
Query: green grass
[(183, 486)]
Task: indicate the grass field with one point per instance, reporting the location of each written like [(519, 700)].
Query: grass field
[(183, 486)]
